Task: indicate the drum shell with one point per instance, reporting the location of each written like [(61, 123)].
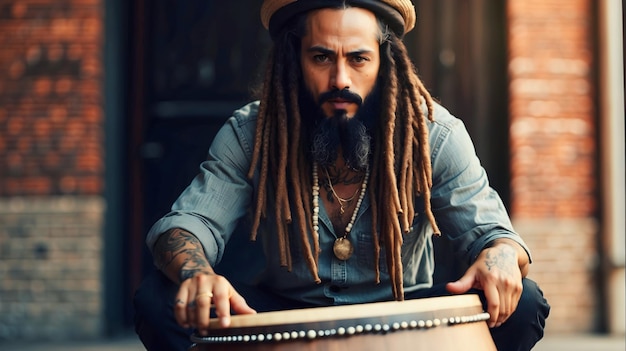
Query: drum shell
[(442, 323)]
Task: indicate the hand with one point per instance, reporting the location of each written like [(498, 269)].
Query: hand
[(196, 296), (180, 256), (496, 272)]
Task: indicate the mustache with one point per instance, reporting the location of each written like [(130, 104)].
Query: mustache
[(343, 94)]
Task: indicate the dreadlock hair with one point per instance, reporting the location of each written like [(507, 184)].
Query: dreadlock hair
[(401, 153)]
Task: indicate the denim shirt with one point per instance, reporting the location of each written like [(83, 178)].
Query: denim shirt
[(468, 211)]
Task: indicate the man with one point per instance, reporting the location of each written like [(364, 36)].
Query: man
[(347, 168)]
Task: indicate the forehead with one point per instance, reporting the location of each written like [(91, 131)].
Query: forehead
[(350, 27)]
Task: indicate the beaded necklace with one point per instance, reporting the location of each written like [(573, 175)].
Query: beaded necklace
[(342, 248)]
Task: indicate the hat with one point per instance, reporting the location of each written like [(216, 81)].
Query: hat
[(399, 15)]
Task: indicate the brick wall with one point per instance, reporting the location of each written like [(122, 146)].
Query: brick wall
[(552, 131), (51, 168), (50, 268), (51, 97)]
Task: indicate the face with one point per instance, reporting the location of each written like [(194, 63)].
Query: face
[(340, 51)]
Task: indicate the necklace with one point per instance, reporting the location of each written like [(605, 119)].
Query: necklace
[(342, 248), (341, 200)]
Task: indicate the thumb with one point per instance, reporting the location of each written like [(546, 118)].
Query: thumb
[(462, 285)]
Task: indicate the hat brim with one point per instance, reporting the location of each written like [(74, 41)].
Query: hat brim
[(276, 13)]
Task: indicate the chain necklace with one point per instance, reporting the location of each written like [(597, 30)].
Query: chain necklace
[(341, 200), (342, 248)]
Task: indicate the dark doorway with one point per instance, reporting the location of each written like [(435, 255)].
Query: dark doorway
[(460, 50), (194, 62)]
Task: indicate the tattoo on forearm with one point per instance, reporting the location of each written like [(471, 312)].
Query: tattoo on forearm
[(177, 244), (502, 258)]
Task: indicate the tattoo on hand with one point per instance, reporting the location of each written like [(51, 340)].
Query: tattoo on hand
[(177, 244), (503, 258)]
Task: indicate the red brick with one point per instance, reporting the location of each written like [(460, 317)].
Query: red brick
[(19, 9), (45, 131), (552, 140), (16, 70)]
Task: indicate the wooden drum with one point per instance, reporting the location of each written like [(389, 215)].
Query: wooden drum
[(438, 323)]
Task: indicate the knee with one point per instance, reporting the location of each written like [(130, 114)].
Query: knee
[(532, 298), (532, 308), (154, 315), (154, 297)]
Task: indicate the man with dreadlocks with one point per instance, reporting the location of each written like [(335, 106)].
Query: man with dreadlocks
[(348, 168)]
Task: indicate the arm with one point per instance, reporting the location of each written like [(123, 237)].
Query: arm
[(210, 208), (472, 217), (180, 256)]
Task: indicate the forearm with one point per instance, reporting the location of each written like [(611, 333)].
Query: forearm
[(179, 255)]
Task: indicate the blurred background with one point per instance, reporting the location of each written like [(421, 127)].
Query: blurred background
[(107, 107)]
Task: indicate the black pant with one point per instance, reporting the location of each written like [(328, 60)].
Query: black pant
[(157, 329)]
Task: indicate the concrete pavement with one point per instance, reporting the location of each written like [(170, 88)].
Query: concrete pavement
[(581, 343), (131, 343)]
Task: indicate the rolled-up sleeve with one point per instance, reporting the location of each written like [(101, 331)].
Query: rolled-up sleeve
[(468, 211), (219, 196)]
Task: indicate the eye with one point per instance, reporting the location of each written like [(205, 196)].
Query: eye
[(360, 59), (321, 58)]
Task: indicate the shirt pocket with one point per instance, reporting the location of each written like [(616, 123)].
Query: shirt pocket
[(417, 254), (366, 255)]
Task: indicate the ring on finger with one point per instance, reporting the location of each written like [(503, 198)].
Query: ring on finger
[(203, 294)]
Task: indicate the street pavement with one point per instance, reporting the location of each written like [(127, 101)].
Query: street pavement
[(131, 343)]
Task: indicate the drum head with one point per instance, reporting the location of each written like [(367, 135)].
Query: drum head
[(441, 322)]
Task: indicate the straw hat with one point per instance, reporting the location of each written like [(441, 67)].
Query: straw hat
[(399, 15)]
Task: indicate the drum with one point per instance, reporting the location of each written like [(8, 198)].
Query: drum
[(438, 323)]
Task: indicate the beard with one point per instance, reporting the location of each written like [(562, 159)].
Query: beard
[(353, 135)]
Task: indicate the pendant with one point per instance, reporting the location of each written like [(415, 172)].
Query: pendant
[(343, 248)]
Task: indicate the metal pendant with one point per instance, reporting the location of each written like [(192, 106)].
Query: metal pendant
[(343, 248)]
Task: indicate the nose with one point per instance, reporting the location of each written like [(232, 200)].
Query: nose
[(340, 79)]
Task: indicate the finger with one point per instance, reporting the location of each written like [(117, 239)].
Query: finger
[(192, 306), (180, 308), (504, 310), (493, 304), (221, 299), (200, 307), (239, 304), (462, 285), (203, 311), (510, 303)]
